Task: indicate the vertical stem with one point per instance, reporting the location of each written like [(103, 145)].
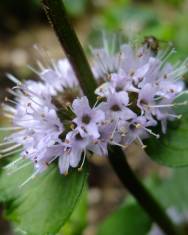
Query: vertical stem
[(138, 190), (56, 13)]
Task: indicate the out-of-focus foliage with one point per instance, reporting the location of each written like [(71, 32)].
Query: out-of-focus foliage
[(165, 19), (28, 9), (76, 8), (16, 14), (173, 2), (130, 219)]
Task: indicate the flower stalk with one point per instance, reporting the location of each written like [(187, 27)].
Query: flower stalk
[(56, 13)]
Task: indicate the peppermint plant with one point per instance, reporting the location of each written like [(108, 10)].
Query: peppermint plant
[(129, 95)]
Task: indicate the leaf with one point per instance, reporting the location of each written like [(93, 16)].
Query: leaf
[(44, 204), (171, 149), (128, 220), (78, 220), (173, 192)]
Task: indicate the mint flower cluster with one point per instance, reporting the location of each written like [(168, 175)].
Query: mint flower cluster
[(52, 120)]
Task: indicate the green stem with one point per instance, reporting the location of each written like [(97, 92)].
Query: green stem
[(138, 190), (56, 13)]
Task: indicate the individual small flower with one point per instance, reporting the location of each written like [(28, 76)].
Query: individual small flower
[(87, 118), (117, 82), (74, 146), (100, 146), (105, 63), (137, 130), (59, 77), (146, 100), (116, 107), (169, 85)]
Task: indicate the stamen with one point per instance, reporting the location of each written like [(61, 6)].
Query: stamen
[(43, 54), (70, 107), (120, 145), (33, 70), (29, 179), (166, 57), (10, 91), (141, 143), (10, 153), (72, 126), (40, 65), (103, 67), (11, 101), (19, 168), (9, 109), (13, 79), (52, 160), (150, 131), (83, 161), (10, 148), (13, 164), (113, 132), (6, 143), (175, 116), (8, 115), (97, 101), (10, 128), (167, 105)]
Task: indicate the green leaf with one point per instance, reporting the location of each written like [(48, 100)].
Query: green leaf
[(44, 204), (173, 192), (78, 220), (128, 220), (171, 149)]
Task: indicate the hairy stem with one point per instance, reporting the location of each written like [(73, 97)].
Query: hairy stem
[(138, 190), (56, 13)]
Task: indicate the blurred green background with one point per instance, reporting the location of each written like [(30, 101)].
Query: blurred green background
[(24, 24)]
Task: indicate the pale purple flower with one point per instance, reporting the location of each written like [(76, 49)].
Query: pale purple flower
[(117, 82), (35, 122), (146, 100), (116, 108), (138, 91), (58, 77), (74, 146), (105, 63), (137, 130), (87, 118), (168, 85), (100, 146)]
